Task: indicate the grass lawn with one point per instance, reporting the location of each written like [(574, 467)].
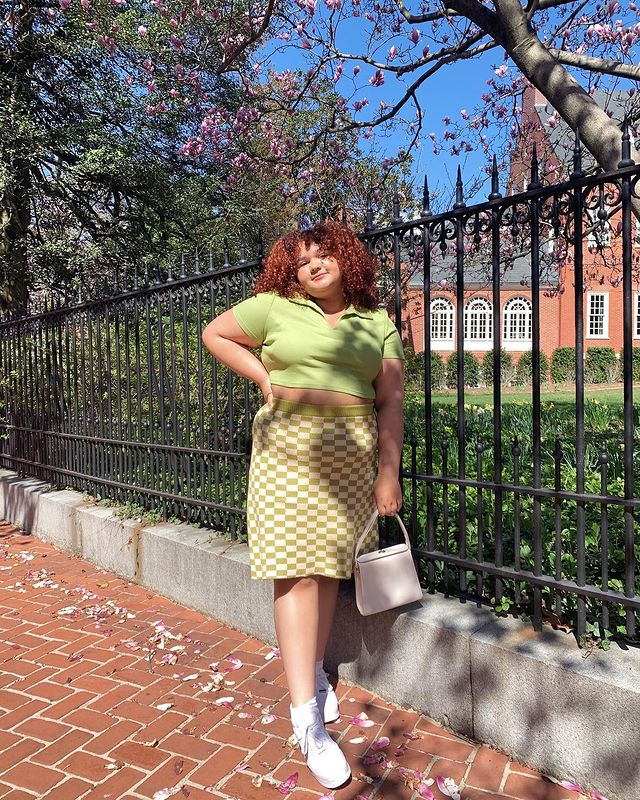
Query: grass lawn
[(611, 394)]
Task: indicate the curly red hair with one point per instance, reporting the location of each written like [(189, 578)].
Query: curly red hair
[(280, 268)]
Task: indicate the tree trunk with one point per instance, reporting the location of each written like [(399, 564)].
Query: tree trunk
[(15, 215), (599, 134)]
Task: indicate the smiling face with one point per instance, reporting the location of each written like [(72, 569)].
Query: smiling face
[(319, 273)]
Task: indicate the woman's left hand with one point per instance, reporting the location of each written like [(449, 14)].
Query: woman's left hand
[(387, 495)]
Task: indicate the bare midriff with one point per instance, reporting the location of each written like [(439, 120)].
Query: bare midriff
[(318, 397)]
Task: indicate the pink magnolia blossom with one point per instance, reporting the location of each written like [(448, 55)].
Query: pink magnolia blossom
[(142, 31), (414, 36)]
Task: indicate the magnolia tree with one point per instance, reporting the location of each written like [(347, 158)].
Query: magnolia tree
[(288, 94), (126, 136), (565, 49)]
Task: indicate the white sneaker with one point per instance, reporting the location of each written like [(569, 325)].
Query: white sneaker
[(326, 696), (324, 758)]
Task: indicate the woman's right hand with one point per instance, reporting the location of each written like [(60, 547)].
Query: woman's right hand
[(267, 393)]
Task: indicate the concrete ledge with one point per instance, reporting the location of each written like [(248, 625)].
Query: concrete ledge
[(534, 696)]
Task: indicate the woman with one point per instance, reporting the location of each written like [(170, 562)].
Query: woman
[(331, 373)]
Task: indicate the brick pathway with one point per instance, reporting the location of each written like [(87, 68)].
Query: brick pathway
[(108, 690)]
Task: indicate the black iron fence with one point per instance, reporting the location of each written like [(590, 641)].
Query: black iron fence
[(116, 397), (511, 505)]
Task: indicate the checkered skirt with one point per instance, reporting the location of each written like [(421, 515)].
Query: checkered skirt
[(310, 488)]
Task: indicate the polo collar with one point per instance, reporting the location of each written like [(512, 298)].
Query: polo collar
[(364, 313)]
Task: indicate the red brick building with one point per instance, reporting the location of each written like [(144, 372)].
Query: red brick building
[(602, 246)]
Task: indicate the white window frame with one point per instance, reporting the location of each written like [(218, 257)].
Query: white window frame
[(517, 343), (635, 238), (445, 343), (596, 236), (605, 316), (636, 317), (485, 310)]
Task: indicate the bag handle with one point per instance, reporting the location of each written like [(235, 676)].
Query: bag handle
[(372, 521)]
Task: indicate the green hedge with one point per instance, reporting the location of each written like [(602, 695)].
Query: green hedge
[(524, 370), (563, 365), (507, 372), (471, 370), (414, 370), (601, 365)]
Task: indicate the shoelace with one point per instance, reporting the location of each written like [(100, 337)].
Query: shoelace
[(313, 733)]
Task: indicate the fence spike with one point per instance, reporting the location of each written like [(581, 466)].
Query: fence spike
[(577, 156), (426, 209), (534, 183), (243, 254), (368, 222), (146, 275), (396, 207), (459, 190), (197, 262), (226, 253), (183, 271), (495, 185), (210, 268), (169, 272), (626, 160)]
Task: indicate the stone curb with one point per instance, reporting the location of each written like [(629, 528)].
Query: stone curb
[(533, 696)]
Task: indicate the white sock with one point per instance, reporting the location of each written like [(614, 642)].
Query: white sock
[(303, 715)]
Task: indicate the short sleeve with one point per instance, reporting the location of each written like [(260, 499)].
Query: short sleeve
[(392, 343), (252, 314)]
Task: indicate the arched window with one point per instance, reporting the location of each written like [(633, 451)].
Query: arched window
[(441, 320), (517, 320), (477, 320)]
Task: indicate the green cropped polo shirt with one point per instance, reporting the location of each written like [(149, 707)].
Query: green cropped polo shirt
[(301, 350)]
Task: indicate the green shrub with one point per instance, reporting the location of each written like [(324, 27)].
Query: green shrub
[(507, 370), (524, 369), (563, 365), (601, 365), (471, 370), (635, 363), (414, 370), (438, 372)]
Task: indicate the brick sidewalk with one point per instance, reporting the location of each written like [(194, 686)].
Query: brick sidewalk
[(109, 690)]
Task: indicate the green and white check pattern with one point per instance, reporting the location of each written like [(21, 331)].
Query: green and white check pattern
[(310, 488)]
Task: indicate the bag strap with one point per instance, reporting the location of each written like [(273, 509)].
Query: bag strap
[(372, 521)]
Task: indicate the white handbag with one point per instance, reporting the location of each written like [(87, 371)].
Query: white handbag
[(385, 578)]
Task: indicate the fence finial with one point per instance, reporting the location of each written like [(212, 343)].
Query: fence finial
[(534, 183), (196, 262), (426, 210), (577, 157), (459, 190), (396, 207), (368, 222), (495, 185), (626, 160), (183, 269), (243, 254), (211, 267), (226, 253)]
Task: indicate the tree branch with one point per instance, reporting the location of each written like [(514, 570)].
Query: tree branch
[(594, 64), (403, 69), (229, 60), (487, 20), (416, 19)]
